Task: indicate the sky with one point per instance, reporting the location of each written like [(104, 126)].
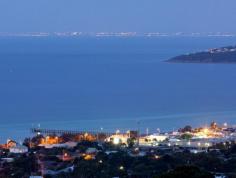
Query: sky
[(117, 15)]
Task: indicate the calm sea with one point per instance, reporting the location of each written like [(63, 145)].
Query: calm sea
[(111, 83)]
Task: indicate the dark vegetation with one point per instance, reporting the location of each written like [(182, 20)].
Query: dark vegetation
[(121, 164)]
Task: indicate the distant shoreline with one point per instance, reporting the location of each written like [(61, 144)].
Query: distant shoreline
[(116, 34), (224, 55), (190, 62)]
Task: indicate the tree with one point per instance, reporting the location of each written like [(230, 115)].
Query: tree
[(187, 172), (130, 142), (187, 128), (213, 125), (186, 136)]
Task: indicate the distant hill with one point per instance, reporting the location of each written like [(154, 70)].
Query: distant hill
[(215, 55)]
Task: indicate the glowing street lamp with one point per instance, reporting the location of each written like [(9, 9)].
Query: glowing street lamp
[(116, 141), (121, 167)]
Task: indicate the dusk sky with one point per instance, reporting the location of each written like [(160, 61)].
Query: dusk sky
[(118, 15)]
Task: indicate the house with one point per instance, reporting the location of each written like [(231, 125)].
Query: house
[(53, 173), (71, 144), (153, 139), (19, 149), (91, 150), (196, 151), (60, 145), (66, 156), (110, 152), (118, 139), (90, 153), (7, 160), (10, 143)]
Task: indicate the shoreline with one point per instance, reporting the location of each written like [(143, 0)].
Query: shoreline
[(164, 122)]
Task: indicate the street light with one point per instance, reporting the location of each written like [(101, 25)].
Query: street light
[(121, 167)]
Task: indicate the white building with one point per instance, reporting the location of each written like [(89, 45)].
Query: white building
[(19, 149), (8, 160), (60, 145), (91, 150), (118, 139), (153, 139)]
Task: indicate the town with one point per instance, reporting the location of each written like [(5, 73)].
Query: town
[(205, 152)]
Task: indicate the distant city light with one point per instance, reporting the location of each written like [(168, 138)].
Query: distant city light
[(121, 167)]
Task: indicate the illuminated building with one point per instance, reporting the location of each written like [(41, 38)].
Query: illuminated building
[(118, 139), (152, 139)]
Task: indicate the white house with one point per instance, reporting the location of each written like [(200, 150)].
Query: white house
[(19, 149), (60, 145), (91, 150), (8, 160)]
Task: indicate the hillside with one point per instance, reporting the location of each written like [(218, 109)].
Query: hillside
[(216, 55)]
